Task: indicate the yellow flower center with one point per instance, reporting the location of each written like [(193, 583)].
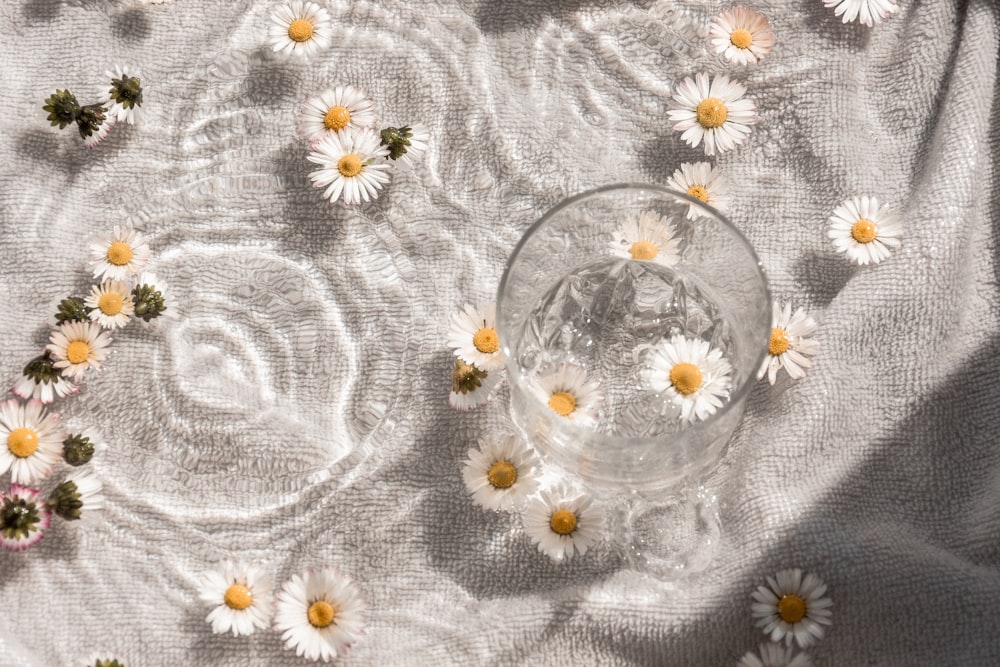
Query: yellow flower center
[(791, 608), (712, 112), (337, 118), (779, 341), (349, 165), (321, 614), (863, 231), (562, 403), (300, 30), (110, 303), (119, 253), (502, 475), (698, 192), (643, 250), (741, 38), (562, 522), (78, 351), (238, 597), (686, 378), (22, 442), (486, 340)]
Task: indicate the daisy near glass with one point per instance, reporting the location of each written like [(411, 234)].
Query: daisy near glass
[(865, 230), (562, 522), (473, 336), (792, 607), (352, 165), (693, 376), (30, 440), (301, 29), (646, 238), (471, 386), (334, 110), (241, 594), (789, 346), (500, 475), (703, 182), (712, 111), (320, 614), (741, 35)]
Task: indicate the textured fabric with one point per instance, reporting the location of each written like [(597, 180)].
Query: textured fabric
[(293, 410)]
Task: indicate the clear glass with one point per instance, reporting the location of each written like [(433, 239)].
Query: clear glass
[(567, 300)]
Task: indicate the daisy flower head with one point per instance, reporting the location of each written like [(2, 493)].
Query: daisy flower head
[(149, 296), (713, 111), (320, 614), (240, 595), (741, 35), (473, 335), (120, 255), (569, 393), (41, 380), (703, 182), (111, 304), (774, 655), (300, 29), (694, 376), (471, 386), (78, 448), (78, 496), (501, 474), (562, 522), (30, 440), (23, 520), (869, 12), (406, 144), (352, 164), (124, 96), (77, 346), (789, 346), (334, 110), (865, 230), (646, 237), (96, 131), (792, 606)]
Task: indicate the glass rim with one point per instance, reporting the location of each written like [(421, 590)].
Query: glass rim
[(514, 375)]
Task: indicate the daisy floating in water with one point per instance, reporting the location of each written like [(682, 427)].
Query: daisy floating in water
[(300, 29), (569, 393), (562, 522), (692, 374), (336, 109), (646, 238), (712, 111), (352, 165), (320, 614), (502, 473), (792, 607), (789, 346), (30, 440), (865, 230), (741, 35), (703, 182), (241, 595)]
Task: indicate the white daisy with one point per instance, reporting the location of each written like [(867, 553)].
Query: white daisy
[(77, 346), (406, 144), (741, 35), (23, 520), (703, 182), (41, 380), (30, 440), (150, 295), (562, 522), (320, 614), (473, 335), (865, 230), (111, 304), (774, 655), (353, 164), (100, 134), (471, 386), (647, 238), (569, 393), (502, 473), (792, 607), (123, 98), (789, 347), (694, 376), (79, 496), (869, 12), (713, 110), (120, 255), (241, 595), (300, 29), (334, 110)]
